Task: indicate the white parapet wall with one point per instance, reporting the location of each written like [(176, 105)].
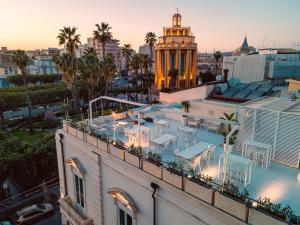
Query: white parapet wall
[(195, 93)]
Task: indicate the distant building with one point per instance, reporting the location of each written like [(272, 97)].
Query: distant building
[(245, 49), (145, 50), (273, 65), (80, 51), (42, 67), (176, 49), (7, 68), (53, 51), (112, 47)]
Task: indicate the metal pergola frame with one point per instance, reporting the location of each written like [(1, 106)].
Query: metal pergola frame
[(110, 99)]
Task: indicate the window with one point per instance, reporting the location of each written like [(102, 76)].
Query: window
[(79, 193), (124, 218)]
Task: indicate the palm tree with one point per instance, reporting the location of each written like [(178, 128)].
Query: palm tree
[(69, 38), (173, 74), (103, 35), (135, 64), (108, 70), (127, 53), (186, 105), (230, 118), (68, 64), (89, 68), (20, 59), (218, 56), (150, 39)]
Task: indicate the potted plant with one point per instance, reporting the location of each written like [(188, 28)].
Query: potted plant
[(231, 200), (174, 173), (200, 178), (230, 118), (152, 164), (133, 156), (117, 149), (199, 186), (186, 105), (286, 214)]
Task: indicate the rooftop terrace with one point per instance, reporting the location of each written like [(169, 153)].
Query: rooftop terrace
[(197, 142)]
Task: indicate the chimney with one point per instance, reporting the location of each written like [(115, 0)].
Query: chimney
[(225, 75)]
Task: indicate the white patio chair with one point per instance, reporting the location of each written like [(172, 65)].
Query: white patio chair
[(203, 126)]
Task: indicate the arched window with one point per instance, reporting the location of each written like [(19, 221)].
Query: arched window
[(126, 208)]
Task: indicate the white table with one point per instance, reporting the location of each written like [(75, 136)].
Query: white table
[(196, 154), (237, 169), (187, 129), (257, 148), (162, 122), (163, 141)]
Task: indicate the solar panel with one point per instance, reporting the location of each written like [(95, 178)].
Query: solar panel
[(242, 93)]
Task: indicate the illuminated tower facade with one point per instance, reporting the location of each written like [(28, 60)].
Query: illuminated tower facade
[(176, 49)]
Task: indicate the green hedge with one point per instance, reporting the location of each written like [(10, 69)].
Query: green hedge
[(32, 78), (11, 100)]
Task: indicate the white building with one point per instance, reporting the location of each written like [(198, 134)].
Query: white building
[(274, 65), (106, 184), (42, 67)]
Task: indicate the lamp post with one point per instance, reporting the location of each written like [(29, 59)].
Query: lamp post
[(226, 151)]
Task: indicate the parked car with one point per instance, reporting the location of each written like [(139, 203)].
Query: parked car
[(5, 223), (34, 213)]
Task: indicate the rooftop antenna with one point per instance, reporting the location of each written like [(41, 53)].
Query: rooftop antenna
[(296, 45), (177, 10)]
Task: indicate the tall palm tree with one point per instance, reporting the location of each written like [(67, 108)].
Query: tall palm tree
[(89, 68), (69, 38), (103, 35), (145, 65), (173, 74), (135, 64), (20, 59), (150, 39), (218, 56), (127, 53), (68, 64), (108, 69)]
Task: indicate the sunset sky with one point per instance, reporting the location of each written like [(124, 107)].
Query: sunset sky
[(217, 24)]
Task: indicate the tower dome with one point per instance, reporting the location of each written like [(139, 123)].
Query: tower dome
[(176, 20)]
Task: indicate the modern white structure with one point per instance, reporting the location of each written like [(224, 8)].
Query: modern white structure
[(106, 182), (268, 65)]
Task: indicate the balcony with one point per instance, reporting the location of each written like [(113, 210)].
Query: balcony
[(68, 209)]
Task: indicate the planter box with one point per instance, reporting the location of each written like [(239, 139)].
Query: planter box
[(91, 140), (171, 178), (132, 159), (65, 126), (80, 134), (152, 169), (198, 190), (102, 145), (259, 218), (119, 153), (231, 206), (72, 131)]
